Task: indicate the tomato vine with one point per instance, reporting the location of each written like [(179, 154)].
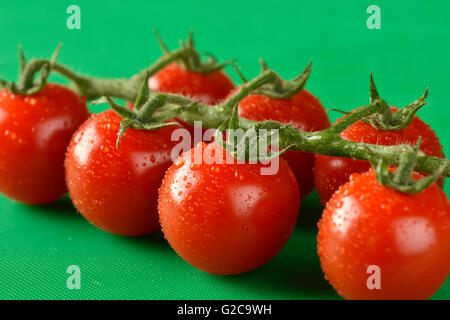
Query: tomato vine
[(325, 142)]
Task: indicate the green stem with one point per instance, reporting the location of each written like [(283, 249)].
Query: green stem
[(326, 142), (93, 88), (26, 77), (265, 77), (356, 116), (213, 116), (162, 62)]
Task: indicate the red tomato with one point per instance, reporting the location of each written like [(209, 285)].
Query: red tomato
[(406, 236), (117, 189), (305, 112), (35, 131), (208, 88), (331, 172), (226, 218)]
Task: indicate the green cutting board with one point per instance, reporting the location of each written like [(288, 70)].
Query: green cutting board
[(408, 53)]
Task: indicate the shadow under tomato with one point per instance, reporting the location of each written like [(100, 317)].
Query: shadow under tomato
[(154, 240), (61, 208), (294, 273), (310, 212)]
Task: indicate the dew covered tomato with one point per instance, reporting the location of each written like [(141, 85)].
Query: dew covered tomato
[(117, 189), (406, 236), (226, 218), (35, 131), (305, 112), (331, 172)]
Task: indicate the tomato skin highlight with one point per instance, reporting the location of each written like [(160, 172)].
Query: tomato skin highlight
[(305, 112), (332, 172), (226, 218), (406, 236), (35, 131), (207, 88), (116, 190)]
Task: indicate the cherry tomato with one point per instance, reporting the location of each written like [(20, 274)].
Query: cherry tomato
[(116, 190), (305, 112), (368, 231), (35, 131), (331, 172), (208, 88), (226, 218)]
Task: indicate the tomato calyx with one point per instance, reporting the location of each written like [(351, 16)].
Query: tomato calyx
[(281, 89), (401, 180), (144, 116), (253, 144), (388, 120), (191, 58), (239, 72), (26, 84), (385, 119)]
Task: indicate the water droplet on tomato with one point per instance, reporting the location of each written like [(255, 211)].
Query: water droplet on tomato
[(194, 166), (178, 164)]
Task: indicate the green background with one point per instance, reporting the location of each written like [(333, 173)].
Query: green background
[(408, 54)]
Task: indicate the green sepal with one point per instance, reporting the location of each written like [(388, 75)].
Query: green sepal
[(124, 125), (191, 58), (241, 150), (388, 120), (238, 71), (135, 124), (27, 85), (346, 113), (401, 179), (144, 115), (284, 90), (152, 122), (120, 110), (22, 59), (144, 92)]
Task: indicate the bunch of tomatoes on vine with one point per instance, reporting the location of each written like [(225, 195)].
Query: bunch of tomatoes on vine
[(378, 170)]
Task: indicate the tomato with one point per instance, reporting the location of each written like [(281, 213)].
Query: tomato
[(406, 236), (331, 172), (226, 218), (116, 190), (35, 131), (207, 88), (305, 112)]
